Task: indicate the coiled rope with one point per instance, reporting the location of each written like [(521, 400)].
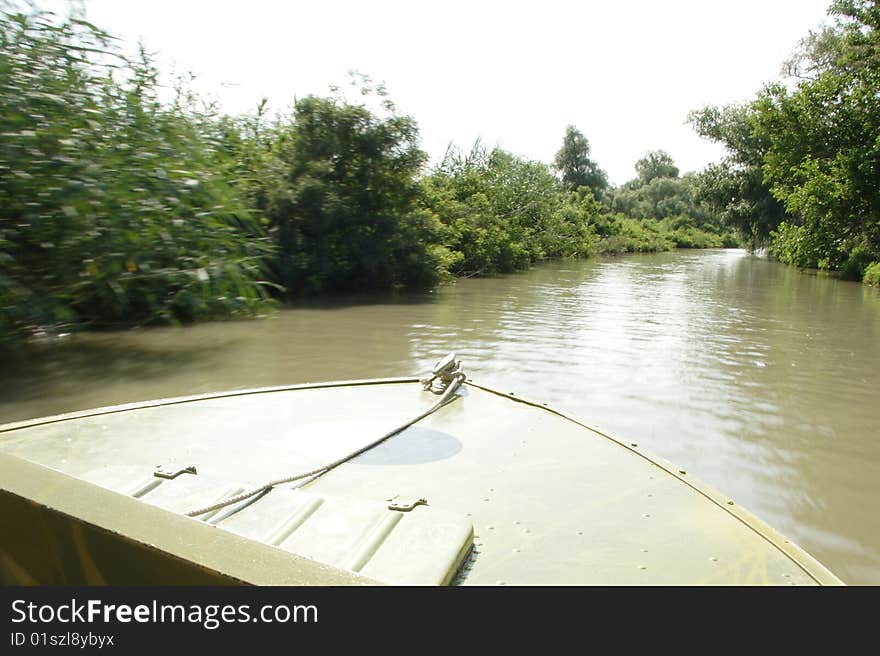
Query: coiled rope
[(450, 376)]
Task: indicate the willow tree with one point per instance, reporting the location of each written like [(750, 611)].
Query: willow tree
[(575, 165), (656, 164)]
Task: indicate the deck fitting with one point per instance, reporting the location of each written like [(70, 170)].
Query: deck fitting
[(172, 471)]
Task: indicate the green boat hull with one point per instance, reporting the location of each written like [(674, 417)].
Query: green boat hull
[(488, 489)]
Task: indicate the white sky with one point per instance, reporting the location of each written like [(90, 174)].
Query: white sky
[(513, 73)]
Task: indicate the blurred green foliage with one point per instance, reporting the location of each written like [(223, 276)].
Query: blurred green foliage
[(112, 210)]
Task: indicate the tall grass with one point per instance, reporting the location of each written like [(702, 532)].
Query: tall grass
[(112, 210)]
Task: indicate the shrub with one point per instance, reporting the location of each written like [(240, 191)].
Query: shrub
[(111, 208), (860, 258), (872, 274)]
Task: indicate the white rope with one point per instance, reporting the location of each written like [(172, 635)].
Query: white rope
[(453, 385)]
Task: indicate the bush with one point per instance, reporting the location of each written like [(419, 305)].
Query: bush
[(794, 244), (623, 235), (343, 200), (860, 258), (684, 234), (111, 209), (501, 213), (872, 274)]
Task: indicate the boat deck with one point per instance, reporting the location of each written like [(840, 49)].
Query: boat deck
[(513, 492)]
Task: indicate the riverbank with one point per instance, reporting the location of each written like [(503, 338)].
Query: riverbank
[(646, 236)]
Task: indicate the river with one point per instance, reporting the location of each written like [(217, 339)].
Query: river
[(757, 379)]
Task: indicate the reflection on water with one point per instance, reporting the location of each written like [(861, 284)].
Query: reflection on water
[(760, 380)]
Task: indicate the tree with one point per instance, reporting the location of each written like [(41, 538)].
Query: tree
[(735, 187), (804, 158), (823, 145), (659, 199), (342, 200), (659, 193), (816, 52), (574, 163), (656, 164)]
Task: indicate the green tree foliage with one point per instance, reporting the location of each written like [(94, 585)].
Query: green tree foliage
[(622, 234), (657, 192), (501, 212), (111, 207), (574, 163), (660, 198), (817, 52), (804, 158), (823, 155), (343, 201), (734, 188), (872, 274), (656, 164)]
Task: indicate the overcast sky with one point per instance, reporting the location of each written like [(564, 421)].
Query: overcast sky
[(626, 73)]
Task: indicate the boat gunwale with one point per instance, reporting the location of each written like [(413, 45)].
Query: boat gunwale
[(807, 563), (120, 519), (207, 396)]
